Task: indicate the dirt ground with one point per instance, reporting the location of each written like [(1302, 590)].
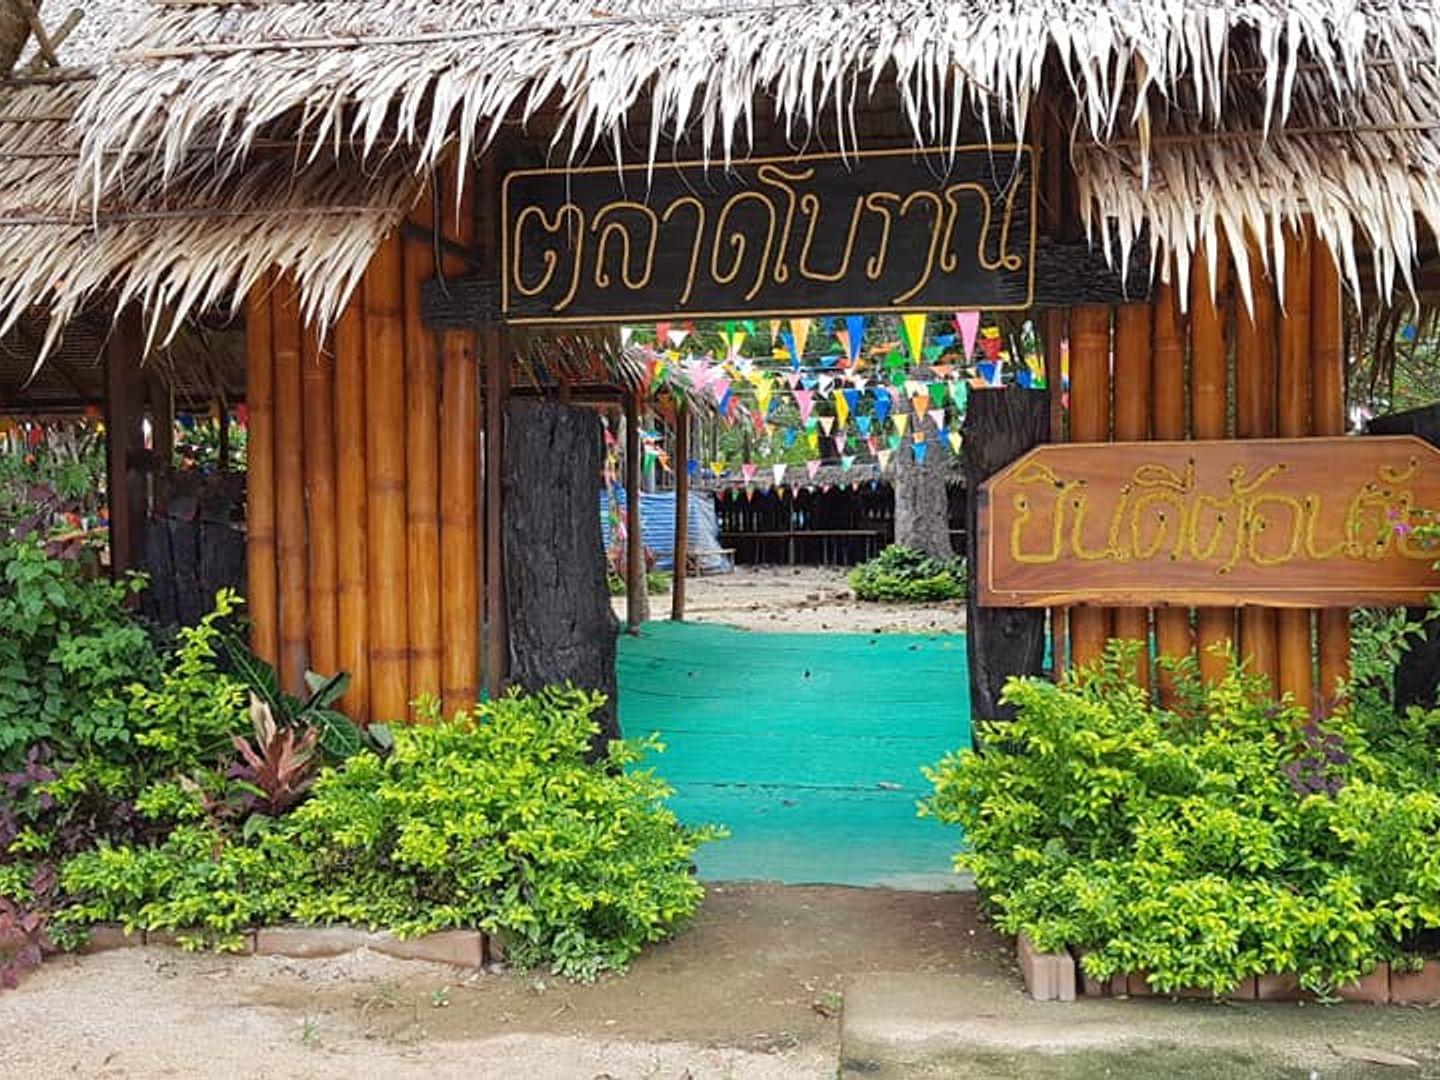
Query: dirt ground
[(753, 989), (771, 983), (802, 600)]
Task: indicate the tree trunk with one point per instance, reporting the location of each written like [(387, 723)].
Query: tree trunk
[(922, 508), (1000, 426), (1417, 675), (561, 626)]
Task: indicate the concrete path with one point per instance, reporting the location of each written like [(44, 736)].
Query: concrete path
[(925, 1025)]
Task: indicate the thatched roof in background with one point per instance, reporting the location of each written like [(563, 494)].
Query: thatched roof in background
[(1196, 119)]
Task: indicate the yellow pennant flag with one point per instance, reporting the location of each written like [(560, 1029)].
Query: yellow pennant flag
[(914, 334), (763, 393), (842, 408), (901, 422), (800, 331), (955, 442)]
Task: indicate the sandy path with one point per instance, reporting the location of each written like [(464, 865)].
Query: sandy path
[(799, 600)]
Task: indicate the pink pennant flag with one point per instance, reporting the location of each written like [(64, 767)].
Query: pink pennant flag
[(872, 443), (804, 401), (719, 388), (758, 420), (968, 325), (839, 444), (812, 467), (937, 417), (747, 470), (792, 378)]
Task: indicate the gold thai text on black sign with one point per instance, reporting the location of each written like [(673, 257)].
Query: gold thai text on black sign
[(824, 234)]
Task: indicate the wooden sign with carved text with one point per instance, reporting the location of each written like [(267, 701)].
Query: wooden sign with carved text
[(822, 234), (1272, 522)]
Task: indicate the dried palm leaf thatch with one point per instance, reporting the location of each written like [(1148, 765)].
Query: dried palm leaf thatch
[(1199, 118), (199, 246), (1364, 166)]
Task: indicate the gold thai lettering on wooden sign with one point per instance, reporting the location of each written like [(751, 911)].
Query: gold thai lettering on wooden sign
[(1278, 522), (819, 234)]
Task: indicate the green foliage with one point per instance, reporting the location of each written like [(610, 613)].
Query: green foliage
[(1227, 838), (903, 574), (496, 819), (69, 648), (500, 820), (657, 583)]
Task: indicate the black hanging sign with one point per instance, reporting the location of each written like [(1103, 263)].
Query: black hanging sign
[(826, 234)]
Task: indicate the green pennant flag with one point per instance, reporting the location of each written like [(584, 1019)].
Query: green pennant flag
[(894, 442), (895, 359), (937, 394)]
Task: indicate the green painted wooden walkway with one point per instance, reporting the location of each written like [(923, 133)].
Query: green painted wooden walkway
[(808, 747)]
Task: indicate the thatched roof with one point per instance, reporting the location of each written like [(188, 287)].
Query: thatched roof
[(1196, 119)]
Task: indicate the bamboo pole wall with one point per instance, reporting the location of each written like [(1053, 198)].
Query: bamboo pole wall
[(1221, 371), (286, 335), (363, 509), (351, 513), (422, 477), (1090, 627), (318, 383), (260, 554), (460, 553)]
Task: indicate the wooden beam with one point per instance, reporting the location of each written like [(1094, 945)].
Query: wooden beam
[(387, 576), (682, 512), (125, 441), (261, 573)]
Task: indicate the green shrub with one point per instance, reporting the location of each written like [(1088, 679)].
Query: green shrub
[(657, 583), (1229, 837), (69, 648), (496, 820), (902, 574)]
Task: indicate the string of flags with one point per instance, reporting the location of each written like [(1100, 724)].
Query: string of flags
[(844, 390)]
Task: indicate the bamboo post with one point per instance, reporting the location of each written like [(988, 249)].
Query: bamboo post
[(682, 511), (318, 382), (124, 441), (387, 576), (351, 513), (1297, 675), (1090, 627), (1327, 351), (1134, 325), (1255, 359), (1209, 400), (422, 479), (290, 485), (260, 555), (495, 350), (460, 553), (634, 540), (1173, 636)]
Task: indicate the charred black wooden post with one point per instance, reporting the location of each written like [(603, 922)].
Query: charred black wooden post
[(1417, 676), (562, 628), (125, 441), (1000, 426)]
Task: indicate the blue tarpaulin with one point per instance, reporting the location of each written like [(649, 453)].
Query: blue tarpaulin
[(657, 525)]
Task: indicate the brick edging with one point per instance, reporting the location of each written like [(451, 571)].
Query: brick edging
[(471, 949), (1059, 977)]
